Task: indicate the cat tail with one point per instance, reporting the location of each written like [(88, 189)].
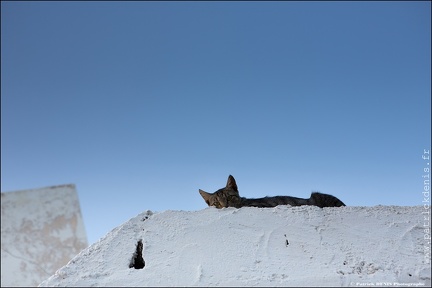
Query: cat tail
[(324, 200)]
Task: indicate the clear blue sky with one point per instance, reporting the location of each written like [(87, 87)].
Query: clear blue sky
[(140, 104)]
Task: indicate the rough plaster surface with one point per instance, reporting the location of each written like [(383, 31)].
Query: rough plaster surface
[(304, 246), (41, 230)]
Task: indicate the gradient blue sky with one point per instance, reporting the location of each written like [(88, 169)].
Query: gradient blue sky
[(140, 104)]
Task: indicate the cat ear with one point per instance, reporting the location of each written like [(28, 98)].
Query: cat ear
[(231, 183), (206, 196)]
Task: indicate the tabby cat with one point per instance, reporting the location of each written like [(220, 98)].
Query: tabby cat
[(230, 197)]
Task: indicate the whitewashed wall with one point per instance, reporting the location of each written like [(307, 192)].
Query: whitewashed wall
[(41, 230)]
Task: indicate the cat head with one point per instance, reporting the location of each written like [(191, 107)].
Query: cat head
[(224, 197)]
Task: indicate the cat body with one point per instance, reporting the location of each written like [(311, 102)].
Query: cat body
[(230, 197)]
